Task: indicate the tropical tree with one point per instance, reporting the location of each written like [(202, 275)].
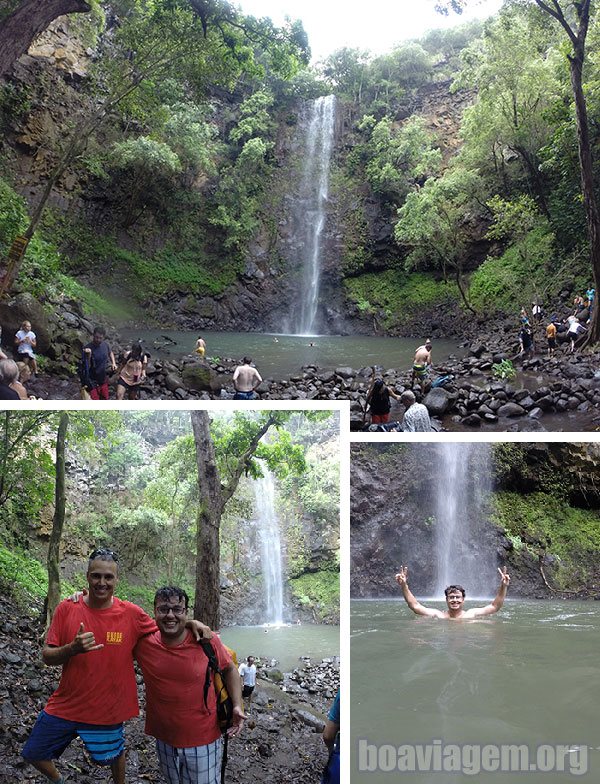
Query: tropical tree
[(508, 118), (574, 18), (210, 42), (437, 223), (27, 20), (223, 456)]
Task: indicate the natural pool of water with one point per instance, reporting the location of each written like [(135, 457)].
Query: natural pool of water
[(280, 356), (528, 675), (284, 643)]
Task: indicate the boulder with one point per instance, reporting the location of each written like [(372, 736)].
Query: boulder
[(202, 378), (24, 307), (511, 410), (437, 401)]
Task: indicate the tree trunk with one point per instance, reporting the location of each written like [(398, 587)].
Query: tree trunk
[(31, 18), (210, 509), (587, 182), (53, 597)]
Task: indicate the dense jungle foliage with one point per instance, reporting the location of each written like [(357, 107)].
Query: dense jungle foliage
[(131, 482), (469, 161)]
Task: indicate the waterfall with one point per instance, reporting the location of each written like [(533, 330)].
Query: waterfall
[(462, 491), (309, 209), (264, 495)]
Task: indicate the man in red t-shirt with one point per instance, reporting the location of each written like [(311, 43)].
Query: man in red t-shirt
[(188, 737), (92, 638)]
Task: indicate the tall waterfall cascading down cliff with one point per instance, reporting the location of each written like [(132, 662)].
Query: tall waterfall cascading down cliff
[(317, 124), (268, 525), (462, 494)]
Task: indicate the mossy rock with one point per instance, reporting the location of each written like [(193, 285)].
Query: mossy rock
[(22, 308), (201, 378)]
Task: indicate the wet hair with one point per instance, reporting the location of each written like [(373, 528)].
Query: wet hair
[(9, 372), (247, 361), (408, 398), (100, 331), (103, 554), (454, 589), (171, 592)]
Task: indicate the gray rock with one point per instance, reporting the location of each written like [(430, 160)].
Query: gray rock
[(511, 410), (345, 372), (437, 401), (311, 721), (173, 381)]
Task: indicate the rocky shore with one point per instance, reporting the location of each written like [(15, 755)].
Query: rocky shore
[(548, 393), (281, 740)]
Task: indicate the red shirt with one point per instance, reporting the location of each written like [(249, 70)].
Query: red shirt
[(174, 679), (98, 687)]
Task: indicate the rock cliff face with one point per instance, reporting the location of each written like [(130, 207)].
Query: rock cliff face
[(393, 511), (267, 288), (393, 517)]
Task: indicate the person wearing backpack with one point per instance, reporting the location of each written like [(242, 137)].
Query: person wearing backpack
[(184, 694), (92, 368)]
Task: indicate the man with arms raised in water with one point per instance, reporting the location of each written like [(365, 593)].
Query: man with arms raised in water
[(455, 598)]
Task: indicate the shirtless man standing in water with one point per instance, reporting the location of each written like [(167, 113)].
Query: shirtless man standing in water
[(455, 598)]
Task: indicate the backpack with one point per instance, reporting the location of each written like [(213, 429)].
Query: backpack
[(224, 701), (84, 371)]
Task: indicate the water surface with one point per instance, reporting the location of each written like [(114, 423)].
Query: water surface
[(280, 356), (528, 675), (284, 643)]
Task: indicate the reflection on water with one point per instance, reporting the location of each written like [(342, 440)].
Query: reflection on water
[(279, 356), (529, 675), (284, 643)]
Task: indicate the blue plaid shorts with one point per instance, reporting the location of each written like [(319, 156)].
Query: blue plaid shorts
[(51, 735), (194, 765)]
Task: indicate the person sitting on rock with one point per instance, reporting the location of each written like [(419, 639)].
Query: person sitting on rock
[(132, 373), (416, 416), (378, 398), (246, 380), (26, 341)]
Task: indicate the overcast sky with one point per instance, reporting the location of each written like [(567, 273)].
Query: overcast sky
[(376, 25)]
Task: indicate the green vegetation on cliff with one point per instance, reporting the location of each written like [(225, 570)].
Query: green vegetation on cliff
[(547, 526), (394, 298)]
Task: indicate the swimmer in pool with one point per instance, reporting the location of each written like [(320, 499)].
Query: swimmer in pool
[(455, 598)]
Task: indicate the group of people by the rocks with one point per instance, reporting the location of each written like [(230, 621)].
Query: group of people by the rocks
[(416, 417), (574, 327), (95, 637)]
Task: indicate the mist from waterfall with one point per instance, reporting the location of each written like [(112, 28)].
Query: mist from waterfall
[(310, 207), (268, 526), (463, 487)]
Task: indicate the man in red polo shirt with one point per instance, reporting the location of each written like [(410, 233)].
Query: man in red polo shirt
[(188, 737), (92, 638)]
